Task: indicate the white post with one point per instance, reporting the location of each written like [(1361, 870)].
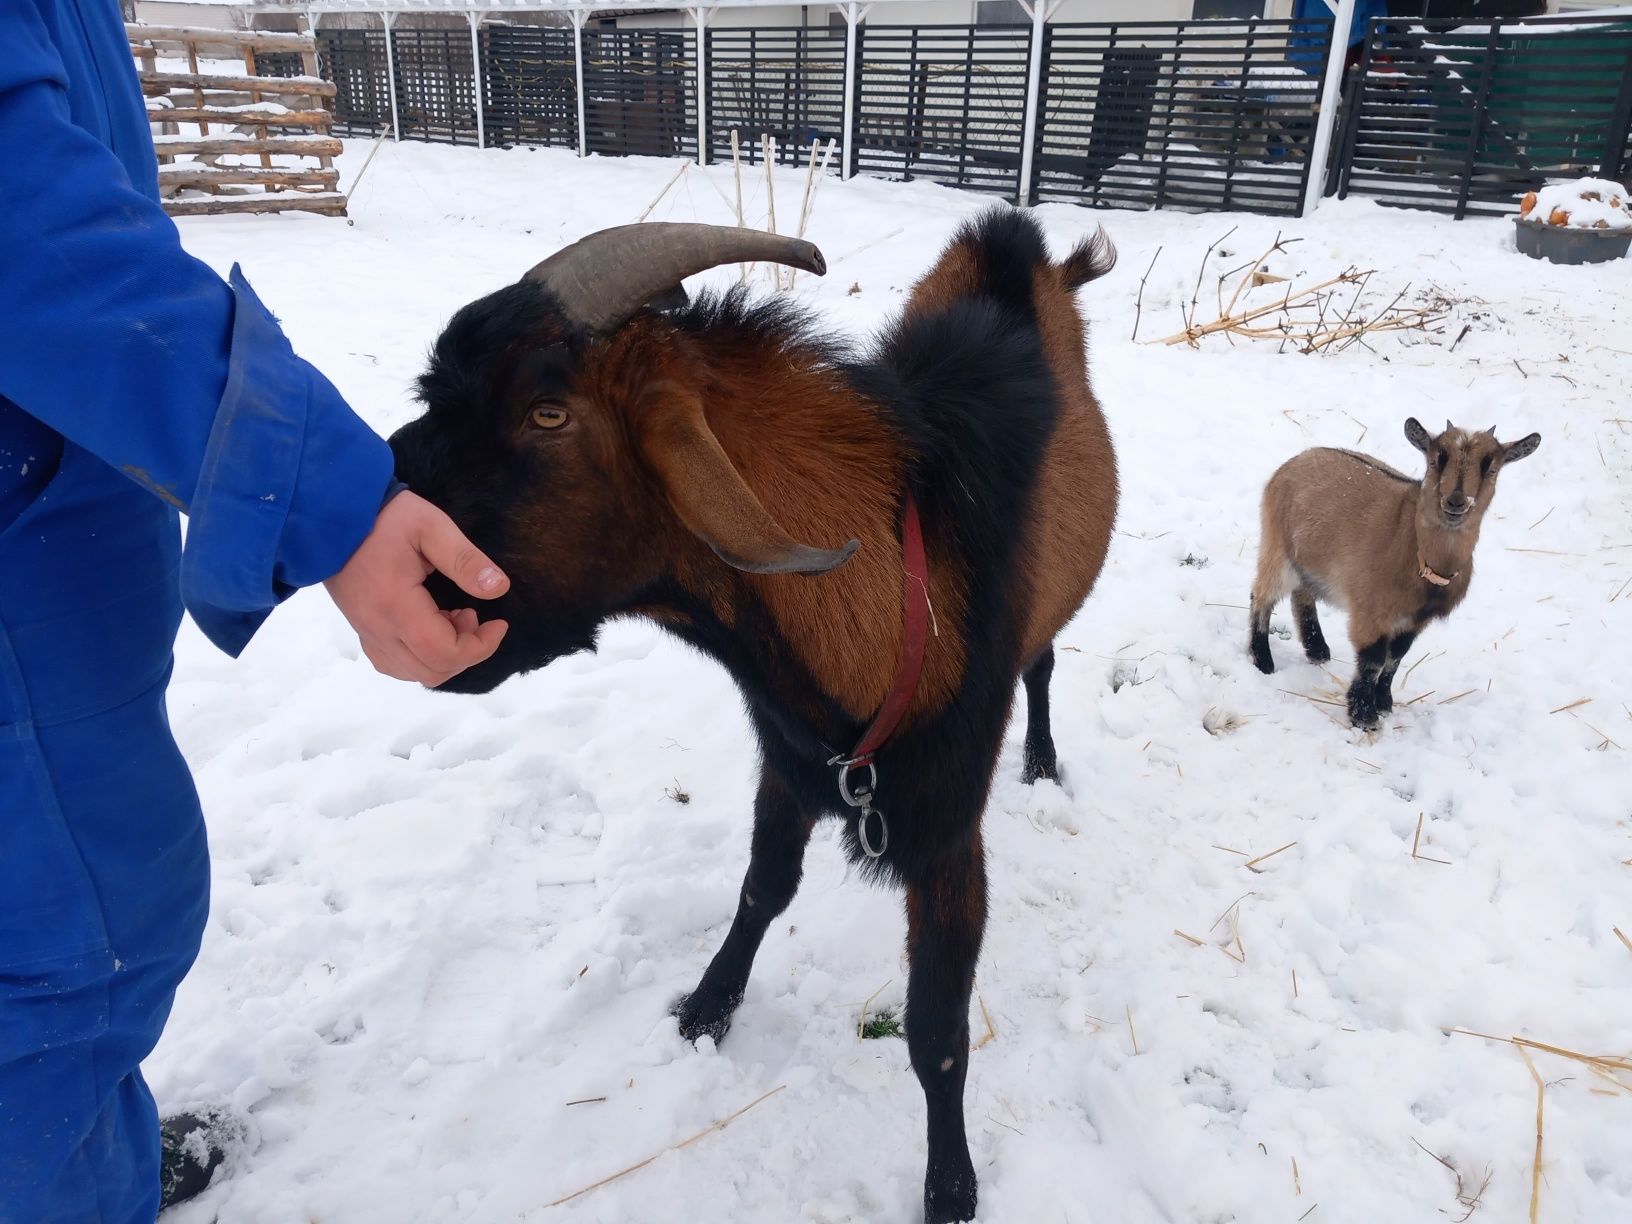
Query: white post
[(476, 76), (1039, 10), (391, 76), (700, 16), (1326, 120), (578, 17), (853, 13)]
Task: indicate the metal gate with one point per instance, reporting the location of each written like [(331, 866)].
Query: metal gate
[(1467, 120), (640, 92), (945, 103), (530, 85), (786, 83), (1199, 115)]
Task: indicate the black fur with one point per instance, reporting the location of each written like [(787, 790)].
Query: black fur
[(1258, 637), (969, 392), (1308, 620), (1363, 691)]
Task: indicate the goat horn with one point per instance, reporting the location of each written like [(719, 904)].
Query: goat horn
[(602, 280)]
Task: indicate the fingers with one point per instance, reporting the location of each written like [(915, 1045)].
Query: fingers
[(445, 548), (443, 644)]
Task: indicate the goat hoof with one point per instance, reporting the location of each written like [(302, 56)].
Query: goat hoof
[(1385, 702), (950, 1194), (702, 1013), (1263, 661), (1363, 714), (1038, 767), (1318, 652)]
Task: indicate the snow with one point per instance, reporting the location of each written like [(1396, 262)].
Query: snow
[(1588, 203), (438, 921)]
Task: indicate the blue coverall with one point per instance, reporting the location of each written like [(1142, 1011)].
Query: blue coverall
[(134, 384)]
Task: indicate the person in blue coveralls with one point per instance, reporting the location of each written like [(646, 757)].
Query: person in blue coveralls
[(136, 386)]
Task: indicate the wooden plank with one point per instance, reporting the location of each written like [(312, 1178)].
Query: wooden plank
[(310, 146), (228, 115), (254, 96), (255, 40), (163, 82), (189, 174), (332, 205)]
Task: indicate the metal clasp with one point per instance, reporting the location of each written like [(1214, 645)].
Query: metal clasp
[(861, 798)]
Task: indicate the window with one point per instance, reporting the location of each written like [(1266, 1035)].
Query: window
[(1000, 12), (1231, 10)]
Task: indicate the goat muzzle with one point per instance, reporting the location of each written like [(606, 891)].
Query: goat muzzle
[(601, 280)]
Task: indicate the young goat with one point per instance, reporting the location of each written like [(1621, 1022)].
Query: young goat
[(1342, 528), (672, 463)]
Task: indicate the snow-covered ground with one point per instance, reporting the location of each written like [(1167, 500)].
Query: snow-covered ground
[(440, 923)]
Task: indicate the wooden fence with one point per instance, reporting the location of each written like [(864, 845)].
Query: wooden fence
[(236, 139)]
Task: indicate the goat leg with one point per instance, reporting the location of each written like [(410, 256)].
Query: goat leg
[(1369, 663), (1040, 759), (1397, 646), (1308, 621), (775, 864), (946, 917)]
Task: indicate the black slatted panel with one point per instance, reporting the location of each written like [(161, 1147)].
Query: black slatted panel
[(530, 85), (945, 103), (1195, 115), (355, 61), (279, 63), (788, 83), (640, 92), (436, 89), (1467, 120)]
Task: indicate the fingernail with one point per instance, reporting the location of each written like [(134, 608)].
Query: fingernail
[(489, 579)]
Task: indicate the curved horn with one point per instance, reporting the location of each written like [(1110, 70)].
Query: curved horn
[(713, 501), (602, 280)]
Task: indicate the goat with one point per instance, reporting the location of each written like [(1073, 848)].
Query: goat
[(1343, 528), (620, 460)]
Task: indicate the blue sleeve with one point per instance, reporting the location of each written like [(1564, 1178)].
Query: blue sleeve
[(119, 340)]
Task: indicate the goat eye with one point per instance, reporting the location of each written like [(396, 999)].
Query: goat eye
[(1443, 460), (1484, 465), (548, 417)]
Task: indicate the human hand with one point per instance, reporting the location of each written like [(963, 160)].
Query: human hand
[(381, 593)]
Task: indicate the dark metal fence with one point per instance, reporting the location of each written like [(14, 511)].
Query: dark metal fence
[(436, 90), (1463, 121), (786, 83), (640, 92), (530, 85), (1190, 114), (1193, 114), (944, 103), (355, 61)]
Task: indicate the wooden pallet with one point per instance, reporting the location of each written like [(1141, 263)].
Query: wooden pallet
[(230, 125)]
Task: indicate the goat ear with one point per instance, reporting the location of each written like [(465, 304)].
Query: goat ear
[(1417, 435), (1514, 451), (713, 500)]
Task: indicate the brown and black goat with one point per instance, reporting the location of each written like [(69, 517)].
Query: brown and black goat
[(621, 451), (1346, 529)]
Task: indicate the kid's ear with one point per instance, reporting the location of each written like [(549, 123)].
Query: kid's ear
[(1514, 451), (1417, 435)]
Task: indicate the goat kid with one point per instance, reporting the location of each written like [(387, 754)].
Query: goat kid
[(687, 463), (1346, 529)]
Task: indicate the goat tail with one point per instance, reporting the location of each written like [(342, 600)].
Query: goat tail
[(1089, 260)]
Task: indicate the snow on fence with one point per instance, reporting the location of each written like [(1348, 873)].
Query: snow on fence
[(257, 138), (1468, 119)]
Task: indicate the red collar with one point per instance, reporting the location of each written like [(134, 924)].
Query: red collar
[(914, 636)]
